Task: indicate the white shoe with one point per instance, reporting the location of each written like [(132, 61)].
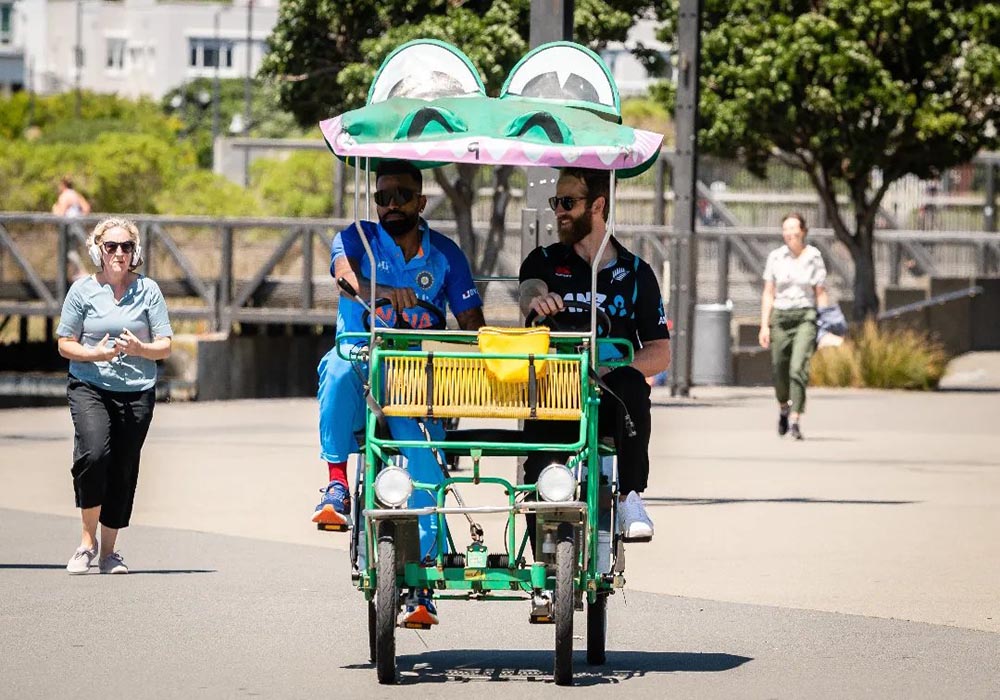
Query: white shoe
[(82, 560), (634, 520), (113, 564)]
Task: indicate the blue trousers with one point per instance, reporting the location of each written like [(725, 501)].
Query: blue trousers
[(342, 413)]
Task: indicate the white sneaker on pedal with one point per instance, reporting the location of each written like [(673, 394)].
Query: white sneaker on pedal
[(633, 518)]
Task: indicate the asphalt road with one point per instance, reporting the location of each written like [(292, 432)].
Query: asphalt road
[(861, 563)]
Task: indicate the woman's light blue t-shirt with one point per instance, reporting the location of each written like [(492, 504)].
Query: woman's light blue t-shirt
[(90, 311)]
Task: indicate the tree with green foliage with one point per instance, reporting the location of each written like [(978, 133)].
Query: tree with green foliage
[(323, 55), (855, 93), (192, 104), (123, 155), (300, 185)]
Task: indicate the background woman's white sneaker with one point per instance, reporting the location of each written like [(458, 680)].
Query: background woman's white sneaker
[(635, 521), (113, 564), (81, 560)]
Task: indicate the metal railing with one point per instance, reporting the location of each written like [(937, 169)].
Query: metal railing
[(225, 271)]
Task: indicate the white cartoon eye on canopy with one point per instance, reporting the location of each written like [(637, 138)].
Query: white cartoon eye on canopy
[(567, 74), (425, 69)]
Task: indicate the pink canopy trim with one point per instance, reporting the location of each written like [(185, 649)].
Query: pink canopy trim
[(486, 150)]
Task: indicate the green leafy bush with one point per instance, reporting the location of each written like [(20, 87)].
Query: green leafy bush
[(300, 185), (202, 193), (877, 358)]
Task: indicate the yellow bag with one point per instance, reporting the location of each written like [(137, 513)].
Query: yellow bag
[(521, 341)]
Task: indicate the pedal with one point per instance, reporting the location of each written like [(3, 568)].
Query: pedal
[(414, 626), (637, 540), (541, 610), (329, 520), (417, 618)]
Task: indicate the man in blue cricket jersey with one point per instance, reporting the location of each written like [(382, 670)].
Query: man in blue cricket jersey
[(412, 263)]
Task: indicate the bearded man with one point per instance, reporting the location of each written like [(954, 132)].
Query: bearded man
[(628, 292), (412, 263)]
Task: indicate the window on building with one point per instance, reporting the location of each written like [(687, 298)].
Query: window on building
[(6, 23), (116, 54), (209, 53)]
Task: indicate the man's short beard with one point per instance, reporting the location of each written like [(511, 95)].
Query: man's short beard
[(397, 227), (580, 228)]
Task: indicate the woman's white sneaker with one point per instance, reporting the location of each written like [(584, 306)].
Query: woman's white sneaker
[(633, 518), (81, 560), (113, 564)]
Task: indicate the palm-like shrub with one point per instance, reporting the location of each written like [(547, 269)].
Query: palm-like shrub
[(878, 358)]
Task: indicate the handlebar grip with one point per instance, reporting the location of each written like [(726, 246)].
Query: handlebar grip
[(346, 286)]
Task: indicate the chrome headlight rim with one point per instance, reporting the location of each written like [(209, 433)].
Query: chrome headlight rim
[(556, 483), (393, 487)]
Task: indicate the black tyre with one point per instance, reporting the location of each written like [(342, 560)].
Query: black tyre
[(563, 605), (386, 605), (372, 637), (597, 630), (357, 530)]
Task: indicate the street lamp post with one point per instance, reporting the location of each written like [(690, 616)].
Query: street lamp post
[(215, 84), (78, 55), (247, 93)]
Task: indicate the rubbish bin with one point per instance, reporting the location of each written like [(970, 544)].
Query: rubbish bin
[(712, 362)]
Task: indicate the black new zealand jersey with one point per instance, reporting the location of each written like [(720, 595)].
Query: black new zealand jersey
[(626, 289)]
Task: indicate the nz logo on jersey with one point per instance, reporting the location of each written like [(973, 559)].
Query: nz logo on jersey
[(619, 274)]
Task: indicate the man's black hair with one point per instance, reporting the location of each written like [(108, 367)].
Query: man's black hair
[(400, 167), (598, 183)]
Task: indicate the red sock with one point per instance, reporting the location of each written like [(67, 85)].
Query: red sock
[(338, 472)]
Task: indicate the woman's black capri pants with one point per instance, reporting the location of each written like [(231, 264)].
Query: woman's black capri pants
[(110, 429)]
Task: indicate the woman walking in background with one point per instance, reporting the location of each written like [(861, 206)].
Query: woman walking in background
[(114, 326), (793, 291)]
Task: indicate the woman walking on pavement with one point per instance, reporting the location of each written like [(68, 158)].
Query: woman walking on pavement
[(793, 291), (114, 326)]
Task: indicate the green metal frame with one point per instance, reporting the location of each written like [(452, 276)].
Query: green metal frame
[(485, 582)]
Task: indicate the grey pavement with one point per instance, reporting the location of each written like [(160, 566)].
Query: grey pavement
[(860, 563)]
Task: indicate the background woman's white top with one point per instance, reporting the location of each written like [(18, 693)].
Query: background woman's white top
[(795, 279)]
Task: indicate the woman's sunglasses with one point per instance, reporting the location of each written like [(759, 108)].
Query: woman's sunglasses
[(126, 247), (398, 196), (566, 203)]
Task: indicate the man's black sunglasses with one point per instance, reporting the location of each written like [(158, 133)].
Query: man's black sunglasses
[(111, 246), (398, 196), (566, 203)]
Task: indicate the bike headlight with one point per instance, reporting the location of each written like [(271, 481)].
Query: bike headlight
[(393, 486), (556, 483)]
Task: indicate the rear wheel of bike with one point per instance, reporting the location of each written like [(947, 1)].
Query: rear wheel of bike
[(372, 637), (597, 630)]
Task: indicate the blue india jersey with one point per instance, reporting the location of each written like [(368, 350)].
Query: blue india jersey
[(439, 273)]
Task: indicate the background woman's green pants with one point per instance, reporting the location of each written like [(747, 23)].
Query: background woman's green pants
[(793, 341)]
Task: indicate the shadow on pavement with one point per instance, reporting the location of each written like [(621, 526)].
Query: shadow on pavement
[(532, 666), (140, 572), (132, 572), (661, 501)]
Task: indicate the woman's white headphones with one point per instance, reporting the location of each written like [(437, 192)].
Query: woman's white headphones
[(95, 248)]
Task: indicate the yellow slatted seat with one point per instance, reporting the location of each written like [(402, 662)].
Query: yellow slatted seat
[(465, 388)]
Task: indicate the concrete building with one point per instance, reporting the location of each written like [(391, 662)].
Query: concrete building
[(130, 47), (13, 66)]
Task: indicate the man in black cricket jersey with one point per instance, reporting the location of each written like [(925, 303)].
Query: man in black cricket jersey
[(628, 292)]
